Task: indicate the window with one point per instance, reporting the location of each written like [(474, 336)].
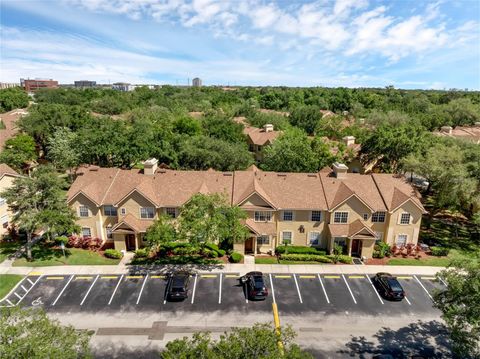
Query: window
[(171, 212), (123, 211), (86, 232), (286, 237), (109, 232), (110, 211), (401, 240), (83, 211), (288, 215), (316, 216), (263, 240), (342, 242), (147, 212), (2, 201), (365, 216), (261, 216), (378, 217), (405, 218), (251, 148), (379, 236), (314, 238), (340, 217), (4, 221)]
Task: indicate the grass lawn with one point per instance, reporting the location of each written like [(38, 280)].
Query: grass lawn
[(7, 282), (7, 248), (45, 255)]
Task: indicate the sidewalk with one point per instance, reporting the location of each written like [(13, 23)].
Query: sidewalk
[(230, 267)]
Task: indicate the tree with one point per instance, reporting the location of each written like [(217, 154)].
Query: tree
[(291, 152), (62, 150), (162, 231), (259, 341), (460, 306), (19, 152), (210, 218), (12, 98), (306, 118), (217, 126), (29, 333), (38, 202)]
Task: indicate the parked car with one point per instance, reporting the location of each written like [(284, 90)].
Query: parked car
[(388, 286), (177, 286), (255, 285)]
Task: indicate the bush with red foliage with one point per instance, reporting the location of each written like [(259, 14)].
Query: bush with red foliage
[(93, 244)]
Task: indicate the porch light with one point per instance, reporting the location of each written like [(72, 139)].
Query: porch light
[(301, 229)]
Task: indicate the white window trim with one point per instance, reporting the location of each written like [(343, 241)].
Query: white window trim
[(401, 234), (80, 211), (288, 220), (89, 228), (259, 221), (4, 219), (140, 210), (348, 216), (263, 244), (109, 215), (123, 211), (400, 218), (3, 201), (384, 216), (291, 237), (367, 215), (318, 240), (321, 215)]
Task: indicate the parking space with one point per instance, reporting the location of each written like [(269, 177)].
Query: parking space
[(295, 294)]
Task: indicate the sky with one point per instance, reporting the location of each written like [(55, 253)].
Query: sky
[(353, 43)]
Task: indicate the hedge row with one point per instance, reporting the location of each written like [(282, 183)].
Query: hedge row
[(299, 250), (236, 257), (439, 251), (306, 258), (113, 253)]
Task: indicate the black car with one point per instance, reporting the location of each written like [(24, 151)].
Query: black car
[(255, 285), (388, 286), (177, 286)]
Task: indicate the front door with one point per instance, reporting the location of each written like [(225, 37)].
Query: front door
[(356, 248), (130, 242), (249, 245)]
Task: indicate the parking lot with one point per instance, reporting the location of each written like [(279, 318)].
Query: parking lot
[(295, 294)]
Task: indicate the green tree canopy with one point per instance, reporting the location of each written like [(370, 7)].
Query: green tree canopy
[(162, 231), (259, 341), (29, 333), (12, 98), (19, 152), (306, 118), (63, 150)]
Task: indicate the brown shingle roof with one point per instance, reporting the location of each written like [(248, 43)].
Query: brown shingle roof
[(259, 136), (395, 191), (349, 230), (261, 228), (138, 225), (7, 170)]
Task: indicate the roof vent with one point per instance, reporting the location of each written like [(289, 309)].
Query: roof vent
[(340, 170), (268, 127), (477, 124)]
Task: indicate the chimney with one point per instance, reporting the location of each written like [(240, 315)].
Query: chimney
[(349, 140), (150, 166), (447, 129), (340, 170), (477, 124), (268, 127)]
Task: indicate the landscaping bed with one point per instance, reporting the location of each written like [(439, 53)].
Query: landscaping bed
[(7, 282)]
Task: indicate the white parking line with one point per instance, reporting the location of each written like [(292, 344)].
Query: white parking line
[(30, 281), (220, 290), (441, 280), (298, 289), (425, 289), (374, 289), (18, 296), (351, 293), (323, 287), (141, 290), (63, 289), (33, 285), (9, 302), (271, 285), (115, 290), (407, 301), (194, 287), (89, 289), (25, 289)]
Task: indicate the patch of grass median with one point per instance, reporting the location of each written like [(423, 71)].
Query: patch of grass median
[(7, 282), (8, 248)]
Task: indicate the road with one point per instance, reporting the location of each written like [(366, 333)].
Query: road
[(330, 312)]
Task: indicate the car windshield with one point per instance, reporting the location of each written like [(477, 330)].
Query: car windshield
[(395, 285), (258, 282)]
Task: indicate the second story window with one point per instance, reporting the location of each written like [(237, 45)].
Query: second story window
[(110, 211), (2, 201), (123, 211), (378, 217), (263, 216), (405, 218), (83, 211), (147, 212), (171, 212), (365, 216), (316, 216), (288, 215), (340, 217)]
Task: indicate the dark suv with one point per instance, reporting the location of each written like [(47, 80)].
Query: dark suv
[(388, 286), (177, 286), (255, 285)]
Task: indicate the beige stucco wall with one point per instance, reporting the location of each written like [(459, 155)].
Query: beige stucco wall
[(355, 209), (5, 183), (412, 230), (119, 241), (302, 218), (133, 203), (94, 220)]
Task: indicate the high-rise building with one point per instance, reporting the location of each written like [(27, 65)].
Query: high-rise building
[(197, 82)]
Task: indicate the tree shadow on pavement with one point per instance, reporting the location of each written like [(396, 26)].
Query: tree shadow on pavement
[(416, 340)]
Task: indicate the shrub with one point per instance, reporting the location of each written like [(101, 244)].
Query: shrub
[(62, 239), (93, 244), (221, 252), (142, 253), (306, 258), (381, 249), (299, 250), (211, 246), (340, 258), (236, 257), (439, 251), (113, 253), (185, 250)]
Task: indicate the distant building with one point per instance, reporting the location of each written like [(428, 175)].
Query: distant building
[(35, 84), (85, 84), (123, 86), (6, 85), (197, 82)]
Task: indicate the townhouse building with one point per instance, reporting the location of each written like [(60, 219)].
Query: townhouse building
[(314, 209), (7, 176)]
